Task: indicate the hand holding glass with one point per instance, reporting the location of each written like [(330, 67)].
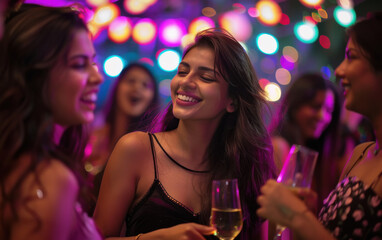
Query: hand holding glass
[(226, 215), (297, 171)]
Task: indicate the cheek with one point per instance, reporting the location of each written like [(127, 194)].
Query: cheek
[(149, 95)]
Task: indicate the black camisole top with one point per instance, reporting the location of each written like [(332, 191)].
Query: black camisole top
[(157, 209)]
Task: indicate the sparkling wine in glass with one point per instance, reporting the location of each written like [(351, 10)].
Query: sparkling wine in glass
[(297, 172), (226, 215)]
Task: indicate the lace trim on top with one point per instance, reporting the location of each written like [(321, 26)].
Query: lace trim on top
[(177, 202)]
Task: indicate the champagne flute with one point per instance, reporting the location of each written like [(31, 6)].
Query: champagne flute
[(226, 215), (297, 171)]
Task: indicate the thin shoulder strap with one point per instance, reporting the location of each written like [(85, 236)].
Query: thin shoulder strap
[(360, 157), (154, 155), (372, 185)]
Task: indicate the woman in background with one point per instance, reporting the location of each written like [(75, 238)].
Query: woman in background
[(48, 89), (161, 183), (132, 106), (310, 116), (353, 210)]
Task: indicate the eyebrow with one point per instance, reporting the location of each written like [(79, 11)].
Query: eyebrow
[(81, 56), (201, 68)]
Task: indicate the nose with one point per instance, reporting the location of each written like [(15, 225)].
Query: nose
[(95, 76), (339, 72), (187, 82)]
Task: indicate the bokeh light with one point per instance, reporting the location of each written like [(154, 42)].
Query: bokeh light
[(268, 64), (283, 76), (290, 54), (267, 43), (208, 12), (200, 24), (306, 32), (253, 12), (347, 4), (147, 61), (312, 3), (269, 12), (263, 82), (120, 29), (168, 60), (164, 87), (322, 13), (187, 40), (237, 24), (327, 72), (273, 92), (344, 17), (284, 19), (239, 8), (144, 31), (113, 65), (137, 6), (104, 15), (96, 3), (285, 63), (324, 41), (171, 32)]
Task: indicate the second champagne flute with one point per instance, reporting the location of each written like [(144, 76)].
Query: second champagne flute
[(226, 215), (297, 172)]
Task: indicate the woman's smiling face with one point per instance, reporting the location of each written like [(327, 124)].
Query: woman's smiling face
[(198, 92), (362, 85)]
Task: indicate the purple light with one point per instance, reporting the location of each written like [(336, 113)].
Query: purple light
[(286, 64), (171, 32)]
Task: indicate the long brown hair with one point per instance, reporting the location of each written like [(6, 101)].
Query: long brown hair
[(241, 146), (34, 41)]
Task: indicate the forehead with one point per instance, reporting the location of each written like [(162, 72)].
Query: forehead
[(200, 55), (324, 97), (81, 44), (137, 72)]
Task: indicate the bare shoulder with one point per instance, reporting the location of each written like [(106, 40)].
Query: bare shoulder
[(131, 148), (133, 143), (52, 194), (356, 154), (280, 142)]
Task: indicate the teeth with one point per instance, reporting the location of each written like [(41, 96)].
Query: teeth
[(187, 98), (90, 97)]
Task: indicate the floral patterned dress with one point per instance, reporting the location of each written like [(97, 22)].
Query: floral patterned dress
[(353, 210)]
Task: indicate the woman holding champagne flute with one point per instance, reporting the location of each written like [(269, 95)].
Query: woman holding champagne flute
[(353, 210), (161, 184)]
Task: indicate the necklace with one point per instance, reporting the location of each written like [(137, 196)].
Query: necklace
[(173, 160)]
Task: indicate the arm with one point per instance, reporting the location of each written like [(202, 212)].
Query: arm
[(55, 210), (280, 151), (282, 206), (118, 185)]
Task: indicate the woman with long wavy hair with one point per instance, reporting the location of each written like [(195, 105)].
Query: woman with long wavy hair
[(213, 129), (48, 89)]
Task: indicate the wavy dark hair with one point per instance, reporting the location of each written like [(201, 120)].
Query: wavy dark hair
[(138, 123), (367, 34), (34, 41), (241, 146), (301, 92)]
